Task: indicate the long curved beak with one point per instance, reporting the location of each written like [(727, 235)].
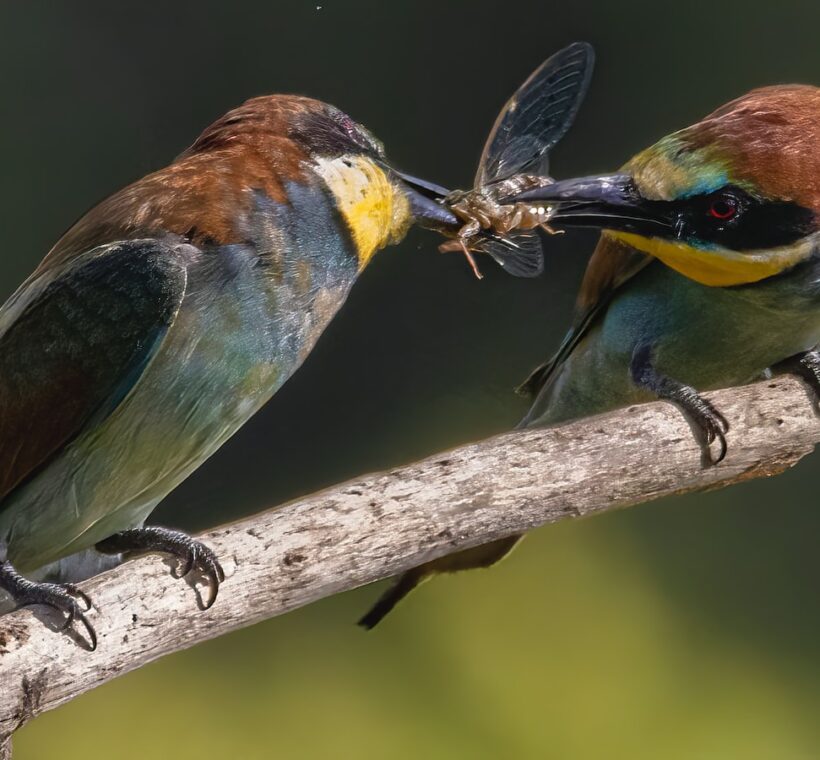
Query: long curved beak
[(425, 203), (609, 201)]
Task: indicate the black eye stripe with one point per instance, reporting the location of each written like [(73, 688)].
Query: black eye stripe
[(723, 208), (734, 219), (332, 133)]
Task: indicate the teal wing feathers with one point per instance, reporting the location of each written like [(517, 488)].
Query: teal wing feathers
[(76, 344), (612, 264)]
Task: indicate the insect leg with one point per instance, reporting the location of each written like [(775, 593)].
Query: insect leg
[(470, 259)]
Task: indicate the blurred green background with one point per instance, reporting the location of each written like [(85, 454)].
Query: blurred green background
[(683, 629)]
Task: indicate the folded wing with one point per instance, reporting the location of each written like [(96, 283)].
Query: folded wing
[(74, 342)]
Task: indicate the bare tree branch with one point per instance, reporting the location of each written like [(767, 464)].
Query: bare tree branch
[(381, 524)]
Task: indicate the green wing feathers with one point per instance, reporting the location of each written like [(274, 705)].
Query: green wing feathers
[(78, 346)]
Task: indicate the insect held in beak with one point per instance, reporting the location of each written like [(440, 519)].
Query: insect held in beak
[(514, 159), (482, 212)]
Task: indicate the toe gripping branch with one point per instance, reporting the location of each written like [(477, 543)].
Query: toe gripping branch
[(807, 367), (193, 556), (64, 598), (709, 424)]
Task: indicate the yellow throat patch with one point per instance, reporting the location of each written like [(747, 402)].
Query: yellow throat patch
[(376, 212), (720, 267)]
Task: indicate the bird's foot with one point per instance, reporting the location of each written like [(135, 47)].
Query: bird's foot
[(194, 558), (807, 367), (710, 423), (64, 598)]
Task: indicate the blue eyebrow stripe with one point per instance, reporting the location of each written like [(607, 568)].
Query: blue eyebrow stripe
[(707, 184)]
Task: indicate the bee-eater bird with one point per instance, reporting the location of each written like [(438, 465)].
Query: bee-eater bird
[(707, 275), (165, 318), (708, 271)]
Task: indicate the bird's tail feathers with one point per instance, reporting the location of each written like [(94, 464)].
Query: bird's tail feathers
[(390, 598)]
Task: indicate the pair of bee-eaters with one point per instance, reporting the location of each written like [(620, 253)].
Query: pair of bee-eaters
[(171, 312)]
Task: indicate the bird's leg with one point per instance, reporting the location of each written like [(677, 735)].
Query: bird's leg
[(708, 421), (65, 598), (193, 555), (807, 367)]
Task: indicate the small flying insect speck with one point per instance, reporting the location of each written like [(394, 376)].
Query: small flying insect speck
[(515, 158)]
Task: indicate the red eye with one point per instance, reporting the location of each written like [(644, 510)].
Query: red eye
[(723, 208)]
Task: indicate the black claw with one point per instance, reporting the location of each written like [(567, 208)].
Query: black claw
[(89, 629), (709, 423), (193, 556), (213, 586), (209, 566), (198, 558), (721, 420), (64, 599), (807, 367), (77, 594), (723, 449), (71, 614)]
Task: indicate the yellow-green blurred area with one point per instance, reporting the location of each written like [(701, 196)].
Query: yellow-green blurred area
[(682, 629)]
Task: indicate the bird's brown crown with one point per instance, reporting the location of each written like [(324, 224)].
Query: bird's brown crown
[(767, 141), (261, 145)]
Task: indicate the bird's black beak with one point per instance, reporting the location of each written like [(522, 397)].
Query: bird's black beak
[(610, 202), (425, 203)]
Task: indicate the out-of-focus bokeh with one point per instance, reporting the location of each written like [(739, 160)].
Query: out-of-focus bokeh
[(683, 629)]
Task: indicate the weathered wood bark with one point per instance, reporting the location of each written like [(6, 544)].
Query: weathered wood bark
[(379, 525)]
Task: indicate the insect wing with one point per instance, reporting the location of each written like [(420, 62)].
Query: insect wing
[(519, 253), (537, 116)]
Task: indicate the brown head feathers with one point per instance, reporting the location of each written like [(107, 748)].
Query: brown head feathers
[(770, 138), (201, 195)]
